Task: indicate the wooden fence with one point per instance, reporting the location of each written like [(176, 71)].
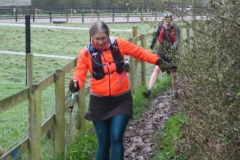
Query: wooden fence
[(32, 94)]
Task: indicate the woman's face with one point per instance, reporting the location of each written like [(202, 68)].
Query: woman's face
[(100, 39)]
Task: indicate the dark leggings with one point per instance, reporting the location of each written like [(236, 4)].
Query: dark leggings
[(110, 134)]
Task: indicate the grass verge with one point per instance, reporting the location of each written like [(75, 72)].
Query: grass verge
[(167, 139)]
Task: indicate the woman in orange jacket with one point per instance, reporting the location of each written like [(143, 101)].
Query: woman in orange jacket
[(110, 105)]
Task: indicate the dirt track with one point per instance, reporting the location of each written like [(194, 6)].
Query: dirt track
[(140, 140)]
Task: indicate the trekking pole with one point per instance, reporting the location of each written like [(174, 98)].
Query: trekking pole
[(69, 125)]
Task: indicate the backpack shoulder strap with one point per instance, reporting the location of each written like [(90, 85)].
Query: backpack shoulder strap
[(117, 56), (162, 28)]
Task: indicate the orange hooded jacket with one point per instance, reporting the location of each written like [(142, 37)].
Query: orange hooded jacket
[(114, 83)]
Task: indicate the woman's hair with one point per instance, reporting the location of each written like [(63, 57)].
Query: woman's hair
[(99, 26)]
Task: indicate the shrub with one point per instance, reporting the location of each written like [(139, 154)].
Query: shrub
[(211, 66)]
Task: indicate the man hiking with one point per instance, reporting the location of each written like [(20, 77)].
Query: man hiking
[(168, 36)]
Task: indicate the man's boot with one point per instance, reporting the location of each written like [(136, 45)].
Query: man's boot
[(176, 95)]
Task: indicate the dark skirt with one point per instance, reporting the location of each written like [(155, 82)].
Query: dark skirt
[(102, 108)]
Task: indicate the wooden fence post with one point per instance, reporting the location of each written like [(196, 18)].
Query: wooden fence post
[(36, 14), (59, 137), (151, 16), (50, 16), (128, 14), (83, 15), (134, 34), (92, 13), (143, 64), (156, 15), (33, 15), (67, 16), (80, 120), (142, 13), (131, 72), (134, 31), (16, 15), (112, 16), (71, 14), (98, 13), (34, 123)]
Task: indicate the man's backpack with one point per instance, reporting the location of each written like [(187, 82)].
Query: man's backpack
[(162, 34)]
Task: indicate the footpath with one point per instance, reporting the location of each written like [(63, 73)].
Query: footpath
[(141, 139)]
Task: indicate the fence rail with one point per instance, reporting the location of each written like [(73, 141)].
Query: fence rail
[(32, 94), (36, 14)]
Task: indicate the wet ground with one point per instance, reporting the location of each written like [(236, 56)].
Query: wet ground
[(140, 139)]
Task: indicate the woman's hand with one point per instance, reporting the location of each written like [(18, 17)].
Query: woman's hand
[(73, 85)]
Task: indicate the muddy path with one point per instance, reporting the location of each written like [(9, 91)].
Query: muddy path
[(140, 139)]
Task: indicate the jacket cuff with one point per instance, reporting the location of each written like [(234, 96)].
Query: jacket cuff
[(159, 61)]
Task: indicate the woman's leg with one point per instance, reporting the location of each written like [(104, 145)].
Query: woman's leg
[(118, 125), (103, 133)]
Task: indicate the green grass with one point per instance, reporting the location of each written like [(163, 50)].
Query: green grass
[(167, 138), (85, 145), (57, 41)]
